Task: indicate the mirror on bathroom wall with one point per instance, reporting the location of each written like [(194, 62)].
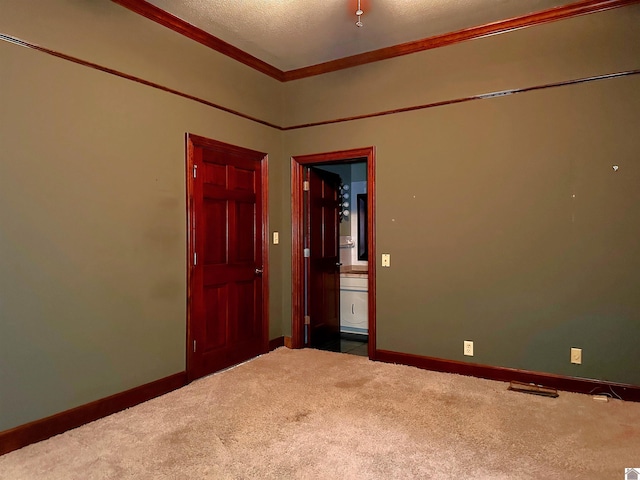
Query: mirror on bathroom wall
[(361, 205)]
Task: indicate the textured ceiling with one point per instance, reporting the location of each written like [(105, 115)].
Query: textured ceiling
[(290, 34)]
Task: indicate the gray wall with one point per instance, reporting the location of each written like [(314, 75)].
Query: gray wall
[(474, 200), (92, 203), (487, 242)]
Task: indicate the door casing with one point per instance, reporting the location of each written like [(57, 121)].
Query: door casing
[(297, 237)]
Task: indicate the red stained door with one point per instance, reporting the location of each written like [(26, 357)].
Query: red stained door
[(324, 260), (226, 323)]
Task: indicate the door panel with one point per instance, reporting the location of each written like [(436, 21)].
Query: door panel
[(226, 304), (245, 326), (216, 234), (216, 316), (245, 245), (324, 271)]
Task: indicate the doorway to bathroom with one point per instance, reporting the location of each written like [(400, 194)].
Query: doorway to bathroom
[(333, 251)]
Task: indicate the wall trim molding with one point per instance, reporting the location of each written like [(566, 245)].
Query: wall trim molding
[(483, 96), (276, 343), (504, 374), (39, 430), (578, 8), (133, 78)]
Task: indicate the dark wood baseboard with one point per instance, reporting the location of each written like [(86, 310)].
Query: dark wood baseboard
[(44, 428), (279, 342), (503, 374), (276, 343)]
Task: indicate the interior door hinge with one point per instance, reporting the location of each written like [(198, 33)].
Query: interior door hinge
[(194, 346), (305, 186), (195, 259), (195, 171), (307, 320), (306, 253)]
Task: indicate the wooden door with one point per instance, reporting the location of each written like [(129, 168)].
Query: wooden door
[(226, 317), (324, 260)]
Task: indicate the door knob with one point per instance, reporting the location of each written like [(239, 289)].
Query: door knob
[(258, 271)]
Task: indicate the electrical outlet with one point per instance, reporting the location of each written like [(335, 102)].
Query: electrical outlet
[(386, 260), (468, 348), (576, 356)]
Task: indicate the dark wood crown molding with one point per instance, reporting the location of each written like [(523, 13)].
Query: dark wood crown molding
[(581, 7), (176, 24)]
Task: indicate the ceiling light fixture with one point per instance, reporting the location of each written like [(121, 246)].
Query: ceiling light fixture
[(359, 14)]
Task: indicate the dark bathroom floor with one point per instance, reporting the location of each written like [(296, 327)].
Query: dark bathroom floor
[(351, 343)]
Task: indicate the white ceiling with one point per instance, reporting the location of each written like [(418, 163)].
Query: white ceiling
[(290, 34)]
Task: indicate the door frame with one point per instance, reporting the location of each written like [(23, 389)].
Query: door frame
[(297, 237), (193, 142)]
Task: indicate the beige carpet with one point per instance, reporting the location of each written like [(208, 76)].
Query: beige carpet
[(306, 414)]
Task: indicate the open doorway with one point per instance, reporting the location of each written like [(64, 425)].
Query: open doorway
[(333, 261), (351, 331)]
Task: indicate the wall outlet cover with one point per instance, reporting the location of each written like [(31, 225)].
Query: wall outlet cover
[(576, 356), (468, 348)]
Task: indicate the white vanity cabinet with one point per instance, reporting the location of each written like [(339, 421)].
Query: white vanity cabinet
[(354, 310)]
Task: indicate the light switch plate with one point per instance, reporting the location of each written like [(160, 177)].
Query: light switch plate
[(276, 238), (386, 260)]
